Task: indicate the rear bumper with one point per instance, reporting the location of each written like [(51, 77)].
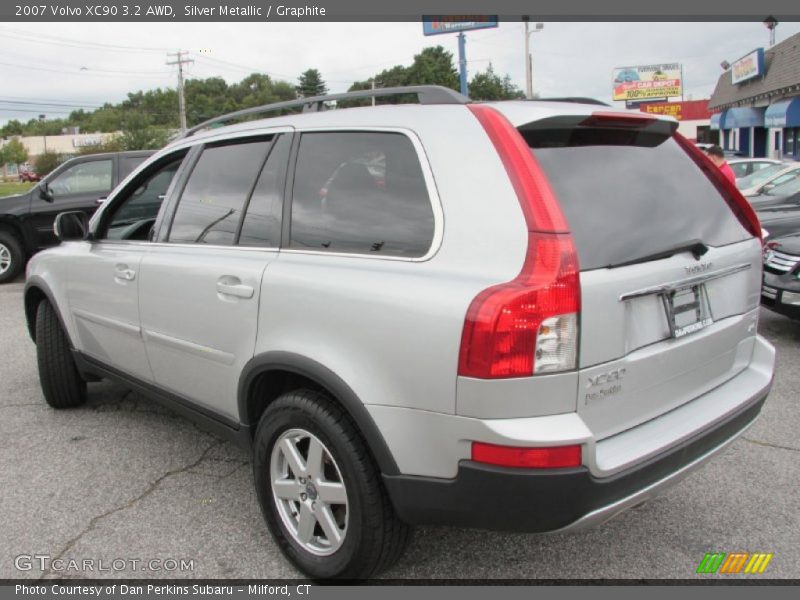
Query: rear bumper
[(497, 498)]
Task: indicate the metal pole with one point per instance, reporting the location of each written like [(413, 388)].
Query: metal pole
[(181, 98), (373, 89), (528, 76), (462, 61)]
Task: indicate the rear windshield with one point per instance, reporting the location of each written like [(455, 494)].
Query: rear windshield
[(629, 198)]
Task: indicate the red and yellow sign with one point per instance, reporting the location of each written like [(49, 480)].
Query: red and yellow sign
[(690, 110)]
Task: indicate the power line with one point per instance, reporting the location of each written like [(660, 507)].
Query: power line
[(90, 72), (45, 104), (61, 41)]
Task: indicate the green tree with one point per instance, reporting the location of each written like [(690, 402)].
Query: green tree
[(112, 144), (13, 127), (310, 84), (433, 66), (14, 153), (488, 85), (46, 162), (139, 133)]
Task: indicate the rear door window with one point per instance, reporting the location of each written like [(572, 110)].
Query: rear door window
[(627, 197), (91, 177), (262, 221), (212, 202), (360, 192)]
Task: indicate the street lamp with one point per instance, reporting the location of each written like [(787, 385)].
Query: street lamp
[(771, 23), (528, 59)]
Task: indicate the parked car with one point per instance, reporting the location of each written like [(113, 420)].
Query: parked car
[(26, 220), (781, 289), (515, 349), (742, 167), (780, 220), (734, 154), (27, 173), (762, 180), (777, 194)]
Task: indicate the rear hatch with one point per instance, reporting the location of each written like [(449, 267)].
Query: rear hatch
[(668, 272)]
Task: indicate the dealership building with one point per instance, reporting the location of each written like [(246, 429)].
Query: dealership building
[(756, 102)]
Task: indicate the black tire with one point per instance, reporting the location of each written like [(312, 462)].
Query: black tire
[(375, 537), (11, 248), (62, 385)]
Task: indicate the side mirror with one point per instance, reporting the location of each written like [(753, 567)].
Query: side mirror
[(45, 193), (71, 226)]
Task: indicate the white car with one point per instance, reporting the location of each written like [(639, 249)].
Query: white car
[(742, 167), (767, 178)]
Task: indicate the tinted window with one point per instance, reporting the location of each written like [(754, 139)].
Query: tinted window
[(128, 164), (212, 201), (741, 169), (759, 177), (133, 218), (624, 201), (360, 193), (262, 221), (84, 178)]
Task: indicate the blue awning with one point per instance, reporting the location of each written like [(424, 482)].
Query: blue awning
[(785, 113), (743, 117), (717, 119)]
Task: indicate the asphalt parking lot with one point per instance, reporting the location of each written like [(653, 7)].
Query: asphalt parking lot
[(124, 478)]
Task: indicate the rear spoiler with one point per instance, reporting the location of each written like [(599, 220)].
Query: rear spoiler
[(614, 120)]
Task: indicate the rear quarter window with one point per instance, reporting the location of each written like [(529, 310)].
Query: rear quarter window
[(360, 192)]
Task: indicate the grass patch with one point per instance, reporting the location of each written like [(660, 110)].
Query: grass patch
[(14, 187)]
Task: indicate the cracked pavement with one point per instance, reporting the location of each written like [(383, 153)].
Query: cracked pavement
[(125, 478)]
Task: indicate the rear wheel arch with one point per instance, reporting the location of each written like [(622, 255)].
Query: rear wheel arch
[(265, 377)]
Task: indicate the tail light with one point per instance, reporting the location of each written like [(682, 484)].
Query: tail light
[(528, 325), (737, 203), (556, 457)]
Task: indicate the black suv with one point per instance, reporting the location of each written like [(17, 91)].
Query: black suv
[(26, 220), (781, 290)]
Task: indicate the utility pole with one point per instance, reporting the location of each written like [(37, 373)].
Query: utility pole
[(528, 58), (373, 89), (462, 62), (180, 61)]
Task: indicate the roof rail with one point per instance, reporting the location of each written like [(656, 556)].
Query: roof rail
[(576, 99), (426, 94)]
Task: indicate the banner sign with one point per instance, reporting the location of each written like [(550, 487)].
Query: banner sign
[(434, 25), (749, 66), (691, 110), (647, 81)]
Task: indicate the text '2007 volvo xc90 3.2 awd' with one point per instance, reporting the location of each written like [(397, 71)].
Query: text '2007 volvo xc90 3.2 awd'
[(522, 316)]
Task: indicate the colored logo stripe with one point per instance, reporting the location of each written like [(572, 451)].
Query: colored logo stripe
[(734, 563), (711, 562), (758, 562)]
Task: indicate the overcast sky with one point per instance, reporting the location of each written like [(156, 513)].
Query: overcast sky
[(73, 64)]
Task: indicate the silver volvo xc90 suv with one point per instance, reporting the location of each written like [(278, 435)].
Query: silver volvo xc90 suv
[(525, 316)]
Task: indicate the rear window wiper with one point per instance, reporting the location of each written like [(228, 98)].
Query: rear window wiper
[(695, 246)]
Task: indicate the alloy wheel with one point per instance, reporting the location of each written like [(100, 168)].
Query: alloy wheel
[(309, 492)]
